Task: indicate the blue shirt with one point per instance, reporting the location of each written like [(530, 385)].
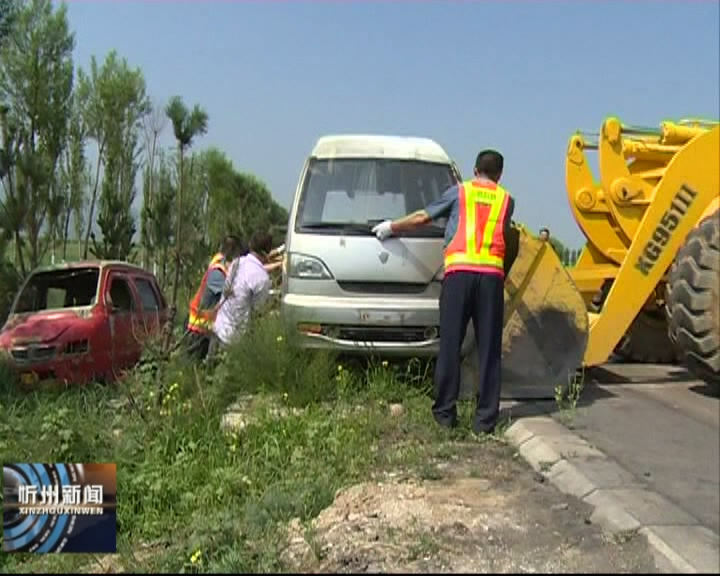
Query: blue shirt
[(448, 206), (215, 281), (213, 289)]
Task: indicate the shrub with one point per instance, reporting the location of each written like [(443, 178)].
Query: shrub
[(211, 500)]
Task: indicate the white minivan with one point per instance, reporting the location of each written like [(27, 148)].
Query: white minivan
[(342, 288)]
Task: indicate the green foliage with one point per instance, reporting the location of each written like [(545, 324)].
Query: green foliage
[(312, 426), (558, 246), (8, 12), (238, 202), (158, 215), (36, 81), (115, 101), (187, 125), (51, 191), (74, 175), (567, 255), (9, 284)]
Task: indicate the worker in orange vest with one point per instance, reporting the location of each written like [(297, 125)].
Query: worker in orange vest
[(207, 299), (478, 227)]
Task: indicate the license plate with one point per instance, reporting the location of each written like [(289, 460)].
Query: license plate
[(28, 378), (382, 317)]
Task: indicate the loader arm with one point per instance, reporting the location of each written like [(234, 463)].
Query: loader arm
[(689, 184), (631, 185)]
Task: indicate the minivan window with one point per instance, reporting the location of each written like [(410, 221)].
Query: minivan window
[(351, 195), (57, 289)]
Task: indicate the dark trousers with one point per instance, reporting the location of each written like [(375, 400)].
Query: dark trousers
[(197, 345), (468, 295)]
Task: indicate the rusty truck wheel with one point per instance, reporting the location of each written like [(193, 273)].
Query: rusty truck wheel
[(693, 300)]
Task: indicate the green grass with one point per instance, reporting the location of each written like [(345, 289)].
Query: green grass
[(185, 485)]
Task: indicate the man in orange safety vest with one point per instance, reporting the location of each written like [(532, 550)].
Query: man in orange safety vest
[(205, 303), (478, 214)]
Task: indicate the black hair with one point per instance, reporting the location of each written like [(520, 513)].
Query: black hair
[(232, 243), (545, 230), (490, 163), (261, 242)]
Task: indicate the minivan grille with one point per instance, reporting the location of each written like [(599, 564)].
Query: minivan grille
[(381, 334), (383, 287)]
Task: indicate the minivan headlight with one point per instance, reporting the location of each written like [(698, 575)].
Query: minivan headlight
[(307, 268)]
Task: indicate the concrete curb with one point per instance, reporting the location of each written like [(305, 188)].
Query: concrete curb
[(621, 502)]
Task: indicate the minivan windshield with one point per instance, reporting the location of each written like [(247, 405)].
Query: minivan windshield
[(350, 195), (57, 289)]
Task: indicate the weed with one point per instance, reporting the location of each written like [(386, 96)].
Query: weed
[(567, 397), (425, 547), (545, 466), (430, 471), (204, 499), (624, 536)]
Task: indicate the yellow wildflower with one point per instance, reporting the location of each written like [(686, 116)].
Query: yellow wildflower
[(279, 339), (196, 557), (340, 368), (384, 363)]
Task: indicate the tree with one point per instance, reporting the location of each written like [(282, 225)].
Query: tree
[(74, 176), (115, 101), (8, 13), (153, 123), (159, 216), (238, 202), (558, 246), (36, 82), (187, 125)]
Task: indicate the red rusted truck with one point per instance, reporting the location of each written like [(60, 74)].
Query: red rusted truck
[(75, 323)]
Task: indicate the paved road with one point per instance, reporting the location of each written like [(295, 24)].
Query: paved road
[(662, 426)]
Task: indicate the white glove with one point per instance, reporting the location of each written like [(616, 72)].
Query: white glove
[(383, 230)]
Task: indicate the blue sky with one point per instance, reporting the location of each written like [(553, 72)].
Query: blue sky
[(517, 76)]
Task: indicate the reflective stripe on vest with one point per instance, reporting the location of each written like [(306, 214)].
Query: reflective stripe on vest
[(201, 320), (479, 244)]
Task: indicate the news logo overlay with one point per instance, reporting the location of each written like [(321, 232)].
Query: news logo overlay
[(59, 508)]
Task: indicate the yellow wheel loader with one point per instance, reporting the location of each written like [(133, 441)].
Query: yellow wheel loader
[(645, 286), (650, 270)]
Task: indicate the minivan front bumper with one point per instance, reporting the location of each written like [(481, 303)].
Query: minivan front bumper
[(364, 325)]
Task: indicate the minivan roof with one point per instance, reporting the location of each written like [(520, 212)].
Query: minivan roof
[(378, 146)]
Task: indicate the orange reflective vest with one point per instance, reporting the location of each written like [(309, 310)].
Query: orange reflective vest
[(199, 320), (479, 244)]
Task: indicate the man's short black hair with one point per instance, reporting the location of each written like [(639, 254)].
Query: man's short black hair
[(490, 163), (261, 242), (547, 230), (232, 243)]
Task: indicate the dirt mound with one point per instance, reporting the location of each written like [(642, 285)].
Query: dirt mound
[(459, 524)]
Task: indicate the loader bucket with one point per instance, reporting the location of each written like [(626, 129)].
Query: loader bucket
[(545, 326)]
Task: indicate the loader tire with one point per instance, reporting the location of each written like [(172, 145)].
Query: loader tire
[(693, 300), (647, 341)]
